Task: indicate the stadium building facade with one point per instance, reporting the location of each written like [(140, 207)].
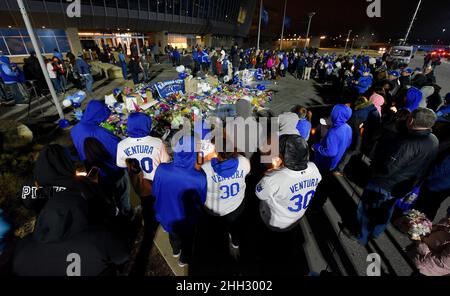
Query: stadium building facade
[(180, 23)]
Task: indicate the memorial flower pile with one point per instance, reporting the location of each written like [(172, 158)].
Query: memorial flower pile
[(171, 110), (415, 224)]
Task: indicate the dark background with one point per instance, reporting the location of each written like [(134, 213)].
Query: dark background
[(336, 17)]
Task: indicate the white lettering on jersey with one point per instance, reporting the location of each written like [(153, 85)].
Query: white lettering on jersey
[(286, 195), (224, 195)]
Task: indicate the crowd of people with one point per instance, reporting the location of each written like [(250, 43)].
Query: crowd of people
[(393, 118), (18, 84)]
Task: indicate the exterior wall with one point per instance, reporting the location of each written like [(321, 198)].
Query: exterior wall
[(161, 38), (219, 17), (74, 40)]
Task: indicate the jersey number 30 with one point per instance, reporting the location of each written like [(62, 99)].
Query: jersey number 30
[(301, 202), (147, 165), (229, 191)]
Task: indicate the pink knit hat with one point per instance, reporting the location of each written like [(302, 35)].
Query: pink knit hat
[(378, 101)]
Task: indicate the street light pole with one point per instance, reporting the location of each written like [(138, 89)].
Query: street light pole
[(310, 15), (41, 60), (353, 42), (282, 28), (347, 40), (412, 22), (259, 26)]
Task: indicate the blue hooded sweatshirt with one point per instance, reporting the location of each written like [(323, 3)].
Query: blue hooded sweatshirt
[(364, 83), (413, 98), (6, 73), (180, 192), (338, 139), (304, 128), (89, 126), (226, 168), (442, 112), (139, 125)]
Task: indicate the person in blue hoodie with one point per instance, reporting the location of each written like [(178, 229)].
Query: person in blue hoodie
[(97, 147), (180, 192), (364, 82), (176, 57), (123, 65), (205, 61), (59, 55), (11, 76), (331, 149), (360, 116), (443, 111), (304, 123), (195, 58), (333, 146), (84, 70), (413, 98)]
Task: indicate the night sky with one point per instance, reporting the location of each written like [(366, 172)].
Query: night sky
[(336, 17)]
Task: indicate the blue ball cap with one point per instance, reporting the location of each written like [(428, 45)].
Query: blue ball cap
[(64, 123), (447, 98), (394, 73), (408, 70)]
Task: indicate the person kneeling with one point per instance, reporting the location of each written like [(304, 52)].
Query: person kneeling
[(286, 192)]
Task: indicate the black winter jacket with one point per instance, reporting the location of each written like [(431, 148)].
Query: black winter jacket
[(402, 164)]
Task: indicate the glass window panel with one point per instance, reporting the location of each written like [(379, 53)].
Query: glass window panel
[(59, 32), (122, 4), (143, 4), (190, 7), (195, 9), (15, 45), (99, 2), (111, 3), (63, 44), (29, 45), (10, 32), (176, 8), (153, 5), (162, 6), (44, 32), (184, 7), (23, 32), (3, 47), (48, 44), (133, 4)]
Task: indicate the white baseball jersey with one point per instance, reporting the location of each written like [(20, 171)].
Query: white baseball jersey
[(224, 195), (149, 151), (286, 195)]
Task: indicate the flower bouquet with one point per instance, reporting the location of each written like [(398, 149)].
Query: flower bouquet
[(415, 224)]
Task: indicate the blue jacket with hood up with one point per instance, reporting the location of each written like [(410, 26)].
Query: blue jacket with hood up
[(89, 126), (413, 98), (139, 125), (330, 150), (364, 83), (180, 192), (6, 73)]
